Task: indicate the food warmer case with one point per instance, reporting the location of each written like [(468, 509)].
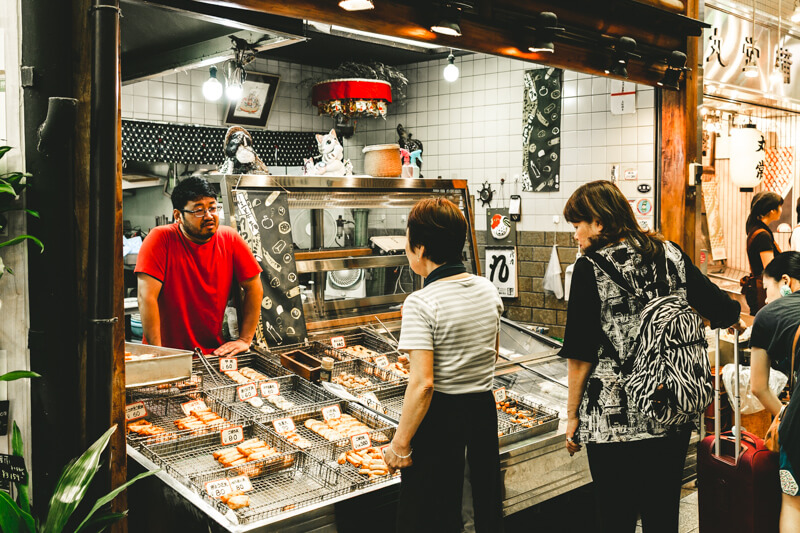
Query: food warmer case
[(333, 288)]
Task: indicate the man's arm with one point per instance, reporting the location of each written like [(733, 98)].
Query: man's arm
[(148, 289), (251, 314)]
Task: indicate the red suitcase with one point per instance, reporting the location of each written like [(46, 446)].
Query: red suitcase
[(741, 495)]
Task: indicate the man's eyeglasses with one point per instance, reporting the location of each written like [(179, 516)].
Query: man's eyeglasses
[(200, 213)]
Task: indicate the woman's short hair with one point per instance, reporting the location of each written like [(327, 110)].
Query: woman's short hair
[(602, 202), (797, 210), (191, 189), (761, 204), (787, 263), (438, 225)]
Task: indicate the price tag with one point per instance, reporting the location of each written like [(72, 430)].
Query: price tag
[(218, 488), (283, 425), (360, 441), (134, 411), (270, 388), (227, 364), (241, 483), (331, 413), (246, 392), (370, 397), (232, 435), (500, 395), (338, 342), (383, 450), (381, 361), (194, 405)]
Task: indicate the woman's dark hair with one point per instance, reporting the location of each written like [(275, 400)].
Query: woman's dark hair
[(797, 209), (438, 225), (784, 263), (191, 189), (761, 204), (603, 202)]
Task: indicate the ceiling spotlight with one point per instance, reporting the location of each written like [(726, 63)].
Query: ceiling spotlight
[(356, 5), (212, 88), (676, 65), (796, 13), (450, 72), (546, 28), (449, 21), (623, 50)]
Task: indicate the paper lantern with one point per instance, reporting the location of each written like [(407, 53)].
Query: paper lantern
[(352, 98), (747, 157)]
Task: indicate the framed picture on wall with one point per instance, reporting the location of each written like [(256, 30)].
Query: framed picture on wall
[(258, 95)]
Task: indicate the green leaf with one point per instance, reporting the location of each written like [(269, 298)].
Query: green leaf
[(101, 522), (20, 238), (12, 177), (12, 518), (23, 498), (111, 495), (15, 208), (73, 483), (6, 188), (3, 150), (18, 374)]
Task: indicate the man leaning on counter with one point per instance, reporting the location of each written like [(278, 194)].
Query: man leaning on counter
[(185, 271)]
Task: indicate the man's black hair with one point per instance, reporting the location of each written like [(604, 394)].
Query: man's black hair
[(190, 190)]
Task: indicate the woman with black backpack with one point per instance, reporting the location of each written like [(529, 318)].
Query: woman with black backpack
[(636, 461)]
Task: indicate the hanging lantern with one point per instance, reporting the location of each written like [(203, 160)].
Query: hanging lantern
[(747, 157), (352, 98)]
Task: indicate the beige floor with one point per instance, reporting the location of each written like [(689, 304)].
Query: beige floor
[(689, 518)]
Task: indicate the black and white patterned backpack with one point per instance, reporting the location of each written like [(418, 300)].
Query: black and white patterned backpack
[(670, 376)]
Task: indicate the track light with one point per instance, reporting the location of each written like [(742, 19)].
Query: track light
[(546, 28), (623, 50), (356, 5), (212, 88), (449, 21), (450, 72), (676, 65)]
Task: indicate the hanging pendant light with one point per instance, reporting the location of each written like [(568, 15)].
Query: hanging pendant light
[(212, 88), (451, 72)]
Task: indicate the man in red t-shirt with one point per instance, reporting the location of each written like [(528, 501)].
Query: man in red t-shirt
[(185, 272)]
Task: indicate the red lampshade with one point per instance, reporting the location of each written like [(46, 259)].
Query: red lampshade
[(352, 97)]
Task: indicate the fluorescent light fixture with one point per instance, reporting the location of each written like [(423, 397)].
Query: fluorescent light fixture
[(356, 5), (388, 38)]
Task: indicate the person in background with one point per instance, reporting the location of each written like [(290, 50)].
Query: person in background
[(771, 343), (185, 272), (450, 331), (794, 240), (765, 208), (626, 450)]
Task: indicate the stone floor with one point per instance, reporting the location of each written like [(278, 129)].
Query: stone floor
[(689, 517)]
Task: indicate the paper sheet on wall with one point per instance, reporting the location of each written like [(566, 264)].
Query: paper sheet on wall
[(711, 202)]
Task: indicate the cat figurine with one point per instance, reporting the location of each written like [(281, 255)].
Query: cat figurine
[(405, 140), (331, 152)]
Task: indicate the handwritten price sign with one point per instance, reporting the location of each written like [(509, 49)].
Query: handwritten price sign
[(331, 413), (194, 405), (241, 483), (381, 361), (270, 388), (283, 425), (500, 395), (218, 488), (135, 411), (232, 435), (246, 392), (338, 342), (360, 441), (226, 364)]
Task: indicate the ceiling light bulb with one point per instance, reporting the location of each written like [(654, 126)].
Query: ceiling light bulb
[(750, 71), (356, 5), (233, 92), (451, 70), (447, 27), (212, 88)]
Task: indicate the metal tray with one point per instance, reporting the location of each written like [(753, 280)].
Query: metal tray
[(367, 340), (378, 378), (168, 365), (266, 364), (546, 419)]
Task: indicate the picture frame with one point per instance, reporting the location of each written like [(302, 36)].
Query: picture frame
[(258, 96)]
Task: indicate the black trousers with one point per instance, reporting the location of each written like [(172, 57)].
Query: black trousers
[(430, 491), (639, 477)]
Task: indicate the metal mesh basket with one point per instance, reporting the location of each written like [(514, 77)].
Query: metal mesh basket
[(300, 392), (164, 412), (166, 390), (391, 401), (264, 364), (280, 488), (365, 339), (191, 456), (543, 419), (376, 378)]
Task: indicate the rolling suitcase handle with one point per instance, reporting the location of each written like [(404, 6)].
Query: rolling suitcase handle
[(737, 431)]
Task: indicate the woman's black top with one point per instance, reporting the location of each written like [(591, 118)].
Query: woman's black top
[(763, 242)]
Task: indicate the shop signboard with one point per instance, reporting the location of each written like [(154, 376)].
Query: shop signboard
[(501, 269)]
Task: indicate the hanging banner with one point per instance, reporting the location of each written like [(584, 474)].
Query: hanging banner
[(541, 130), (623, 98)]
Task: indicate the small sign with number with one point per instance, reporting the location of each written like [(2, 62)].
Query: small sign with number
[(194, 405), (500, 395), (245, 392), (338, 342), (135, 411), (361, 441), (381, 361), (283, 425), (270, 388), (232, 435), (331, 413), (240, 483), (218, 488), (226, 364)]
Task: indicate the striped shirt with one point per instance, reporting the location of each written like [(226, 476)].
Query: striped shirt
[(459, 321)]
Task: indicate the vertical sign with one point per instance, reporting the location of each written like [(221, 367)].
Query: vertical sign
[(541, 130), (501, 269)]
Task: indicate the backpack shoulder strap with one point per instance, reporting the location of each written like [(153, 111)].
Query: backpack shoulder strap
[(752, 236), (611, 271)]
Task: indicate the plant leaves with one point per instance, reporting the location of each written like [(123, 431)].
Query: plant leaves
[(6, 188), (111, 495), (20, 238), (101, 522), (18, 374), (23, 497), (12, 518), (8, 209), (3, 150), (73, 483)]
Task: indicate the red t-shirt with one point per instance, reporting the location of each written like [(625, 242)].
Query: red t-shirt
[(196, 281)]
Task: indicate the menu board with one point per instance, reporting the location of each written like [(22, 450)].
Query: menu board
[(262, 219), (541, 130)]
